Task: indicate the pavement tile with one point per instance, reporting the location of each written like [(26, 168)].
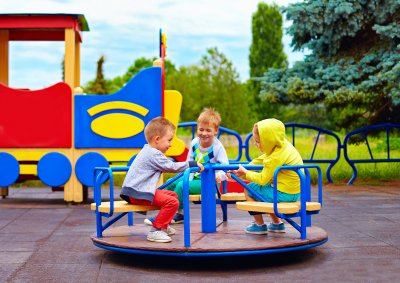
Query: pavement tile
[(24, 237), (69, 242), (57, 273), (47, 214), (14, 257), (11, 213), (67, 257), (7, 270), (11, 246), (4, 223), (31, 226)]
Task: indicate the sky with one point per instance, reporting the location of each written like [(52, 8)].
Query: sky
[(125, 30)]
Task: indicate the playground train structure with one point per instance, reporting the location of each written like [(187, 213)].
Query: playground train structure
[(58, 134)]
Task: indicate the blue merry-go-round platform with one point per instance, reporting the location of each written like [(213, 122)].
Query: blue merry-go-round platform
[(229, 239), (211, 236)]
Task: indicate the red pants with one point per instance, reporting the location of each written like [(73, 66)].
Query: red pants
[(169, 203)]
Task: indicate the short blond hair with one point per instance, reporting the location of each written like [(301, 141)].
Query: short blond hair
[(158, 127), (210, 117)]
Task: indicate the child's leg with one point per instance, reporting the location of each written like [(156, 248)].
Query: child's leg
[(194, 189), (172, 186), (168, 202), (259, 218)]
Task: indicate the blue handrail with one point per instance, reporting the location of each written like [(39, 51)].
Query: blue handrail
[(372, 160)]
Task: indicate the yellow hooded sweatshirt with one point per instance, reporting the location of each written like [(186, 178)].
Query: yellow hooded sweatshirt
[(277, 152)]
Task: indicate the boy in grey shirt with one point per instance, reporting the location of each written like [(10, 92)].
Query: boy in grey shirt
[(205, 148), (140, 183)]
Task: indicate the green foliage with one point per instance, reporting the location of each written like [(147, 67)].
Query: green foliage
[(266, 51), (99, 85), (354, 68), (213, 83)]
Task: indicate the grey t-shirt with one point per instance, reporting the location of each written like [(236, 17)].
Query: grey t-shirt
[(143, 175)]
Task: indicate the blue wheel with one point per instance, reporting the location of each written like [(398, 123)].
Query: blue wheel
[(54, 169), (9, 169), (84, 168), (131, 160)]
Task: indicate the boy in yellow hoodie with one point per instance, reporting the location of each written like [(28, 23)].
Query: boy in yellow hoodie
[(269, 137)]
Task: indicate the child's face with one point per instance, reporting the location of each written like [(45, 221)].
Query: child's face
[(206, 133), (164, 143), (257, 141)]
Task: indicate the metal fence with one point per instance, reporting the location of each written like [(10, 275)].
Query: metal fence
[(331, 162)]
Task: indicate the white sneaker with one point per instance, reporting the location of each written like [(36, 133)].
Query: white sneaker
[(158, 236), (169, 230)]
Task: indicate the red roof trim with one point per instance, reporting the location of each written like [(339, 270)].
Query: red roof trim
[(36, 22), (37, 35)]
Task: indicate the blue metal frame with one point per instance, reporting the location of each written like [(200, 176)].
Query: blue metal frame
[(205, 254), (208, 196), (372, 160), (208, 218), (331, 162)]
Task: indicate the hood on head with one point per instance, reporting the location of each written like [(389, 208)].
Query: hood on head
[(272, 135)]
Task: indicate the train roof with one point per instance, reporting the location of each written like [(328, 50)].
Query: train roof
[(41, 21)]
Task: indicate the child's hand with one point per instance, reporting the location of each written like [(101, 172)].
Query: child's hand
[(217, 179), (240, 172), (201, 167), (228, 175)]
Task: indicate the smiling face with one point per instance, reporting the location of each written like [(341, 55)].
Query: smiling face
[(164, 143), (206, 133)]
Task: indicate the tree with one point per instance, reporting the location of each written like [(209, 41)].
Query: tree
[(118, 82), (99, 85), (266, 51), (354, 67), (213, 83)]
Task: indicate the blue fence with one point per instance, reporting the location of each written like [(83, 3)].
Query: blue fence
[(331, 162)]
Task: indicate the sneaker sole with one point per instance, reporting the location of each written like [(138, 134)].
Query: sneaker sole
[(159, 241), (277, 231), (148, 222), (177, 222), (257, 233)]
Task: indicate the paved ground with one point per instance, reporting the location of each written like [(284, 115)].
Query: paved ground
[(43, 239)]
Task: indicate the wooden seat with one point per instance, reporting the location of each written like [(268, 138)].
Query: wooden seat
[(233, 197), (198, 197), (283, 207), (123, 206), (311, 206)]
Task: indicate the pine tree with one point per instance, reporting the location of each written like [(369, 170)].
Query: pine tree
[(99, 85), (354, 68), (266, 51)]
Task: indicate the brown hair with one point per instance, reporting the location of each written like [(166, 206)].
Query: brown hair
[(255, 130), (158, 127), (210, 117)]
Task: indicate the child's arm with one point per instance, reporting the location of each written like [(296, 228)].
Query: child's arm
[(266, 174), (222, 158), (162, 163)]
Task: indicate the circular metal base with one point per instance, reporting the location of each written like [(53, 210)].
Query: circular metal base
[(204, 254), (230, 239)]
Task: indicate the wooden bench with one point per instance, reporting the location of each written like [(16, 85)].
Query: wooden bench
[(233, 197), (123, 206), (283, 207)]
